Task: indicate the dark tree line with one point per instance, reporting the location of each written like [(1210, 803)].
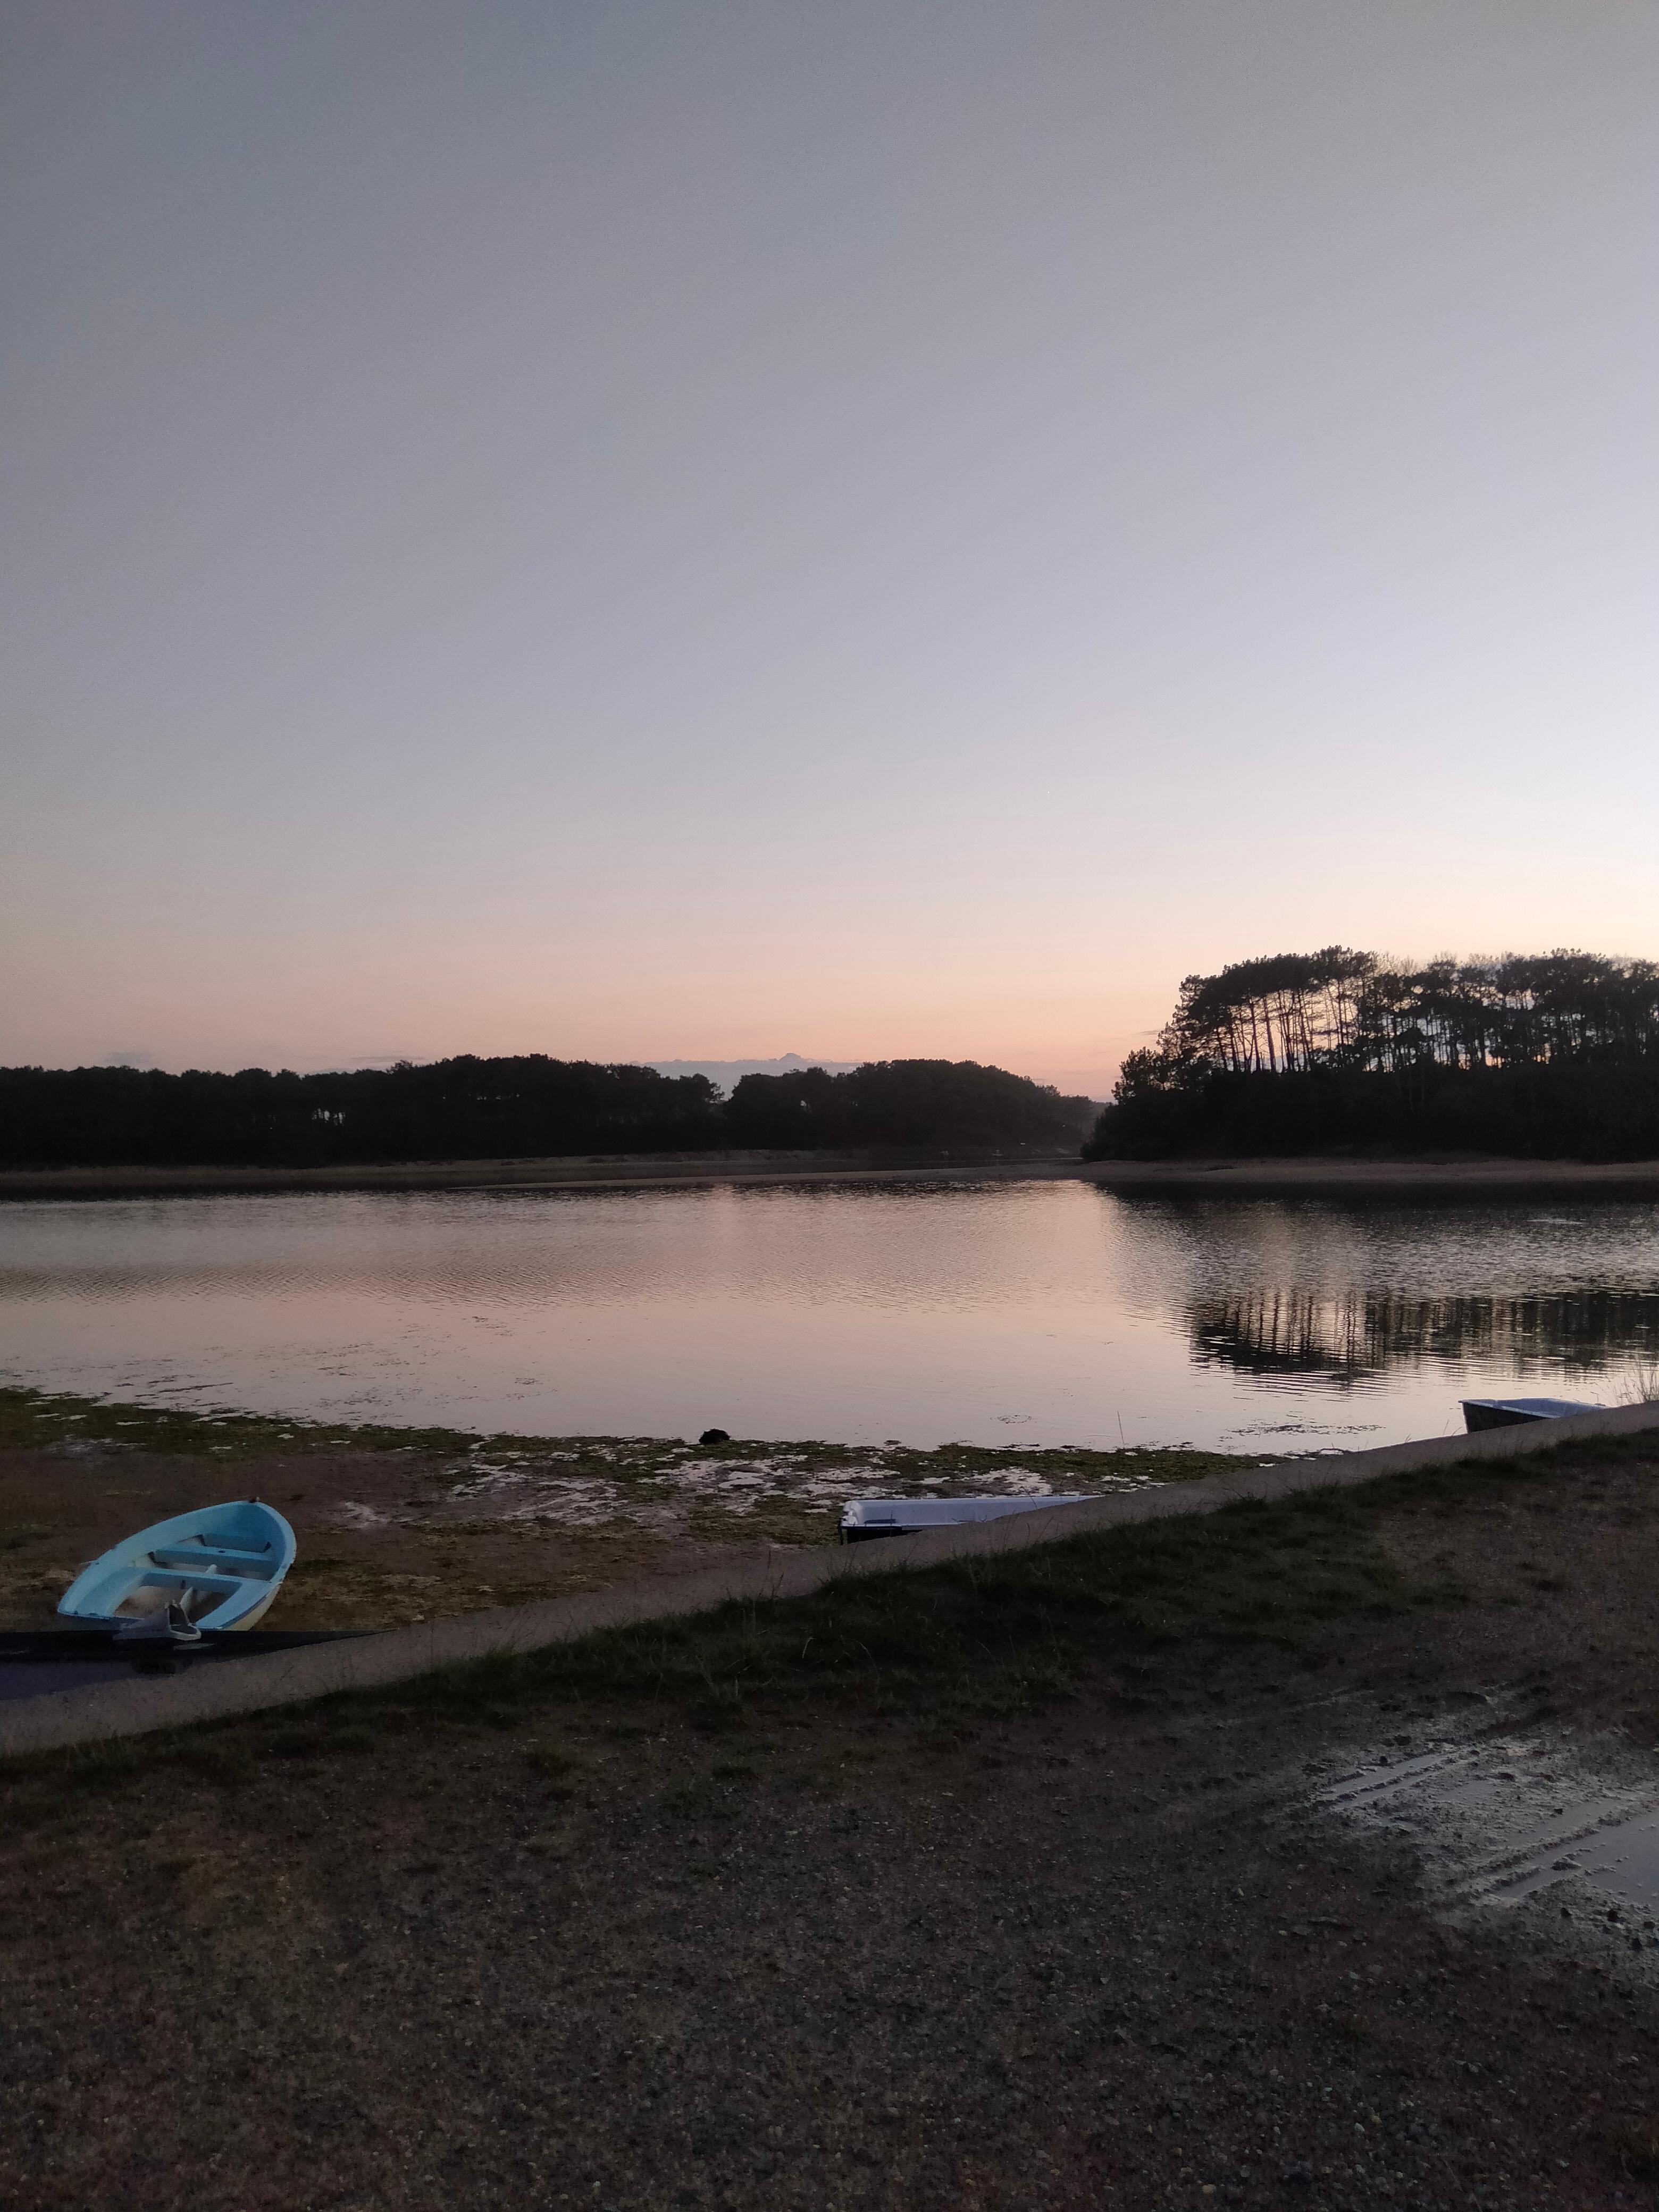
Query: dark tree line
[(1550, 1054), (525, 1108), (906, 1103)]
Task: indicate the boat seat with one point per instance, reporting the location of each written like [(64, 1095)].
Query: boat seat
[(209, 1545), (165, 1578), (244, 1566)]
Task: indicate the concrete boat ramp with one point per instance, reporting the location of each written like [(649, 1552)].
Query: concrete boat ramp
[(137, 1706)]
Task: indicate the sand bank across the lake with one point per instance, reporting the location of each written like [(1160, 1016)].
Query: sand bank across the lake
[(595, 1172), (1413, 1177)]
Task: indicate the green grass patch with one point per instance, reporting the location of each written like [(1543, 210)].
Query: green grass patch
[(941, 1648), (1016, 1631), (978, 1636)]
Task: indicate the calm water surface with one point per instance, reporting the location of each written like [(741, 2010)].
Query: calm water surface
[(995, 1313)]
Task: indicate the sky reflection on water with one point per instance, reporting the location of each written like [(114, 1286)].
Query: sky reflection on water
[(997, 1312)]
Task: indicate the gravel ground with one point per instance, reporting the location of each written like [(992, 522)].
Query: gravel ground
[(580, 1941)]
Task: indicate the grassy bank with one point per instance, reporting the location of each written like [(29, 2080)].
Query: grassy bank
[(943, 1648), (979, 1638), (999, 1636)]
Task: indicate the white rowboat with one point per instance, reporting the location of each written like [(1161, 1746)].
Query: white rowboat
[(1509, 1412), (903, 1517)]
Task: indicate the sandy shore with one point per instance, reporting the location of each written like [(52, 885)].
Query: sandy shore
[(1610, 1178)]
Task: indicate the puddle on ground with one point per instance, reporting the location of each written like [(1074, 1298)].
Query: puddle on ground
[(1502, 1819)]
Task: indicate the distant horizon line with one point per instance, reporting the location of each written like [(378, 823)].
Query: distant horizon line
[(351, 1063), (725, 1073)]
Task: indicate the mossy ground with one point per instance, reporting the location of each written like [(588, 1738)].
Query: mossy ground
[(398, 1525), (34, 1418)]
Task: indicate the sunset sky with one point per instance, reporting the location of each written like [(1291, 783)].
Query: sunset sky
[(699, 530)]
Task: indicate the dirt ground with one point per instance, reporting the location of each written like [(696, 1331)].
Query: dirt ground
[(1040, 1914)]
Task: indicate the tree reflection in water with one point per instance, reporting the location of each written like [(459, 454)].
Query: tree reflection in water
[(1354, 1335)]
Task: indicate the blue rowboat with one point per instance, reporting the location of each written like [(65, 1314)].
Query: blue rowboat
[(219, 1567)]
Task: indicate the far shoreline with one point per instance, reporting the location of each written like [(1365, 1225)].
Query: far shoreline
[(1316, 1172), (582, 1172), (1309, 1175)]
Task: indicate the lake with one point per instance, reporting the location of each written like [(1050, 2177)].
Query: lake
[(928, 1312)]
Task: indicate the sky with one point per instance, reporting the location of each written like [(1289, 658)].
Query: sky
[(644, 531)]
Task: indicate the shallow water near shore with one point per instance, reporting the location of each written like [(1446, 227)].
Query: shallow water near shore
[(1006, 1313)]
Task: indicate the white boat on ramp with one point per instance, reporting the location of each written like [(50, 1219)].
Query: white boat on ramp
[(867, 1518), (219, 1567), (1509, 1412)]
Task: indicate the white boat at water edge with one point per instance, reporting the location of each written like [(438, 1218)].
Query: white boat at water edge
[(1509, 1412), (867, 1518)]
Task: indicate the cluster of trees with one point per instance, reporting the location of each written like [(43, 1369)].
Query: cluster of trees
[(906, 1103), (1547, 1054), (528, 1107)]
